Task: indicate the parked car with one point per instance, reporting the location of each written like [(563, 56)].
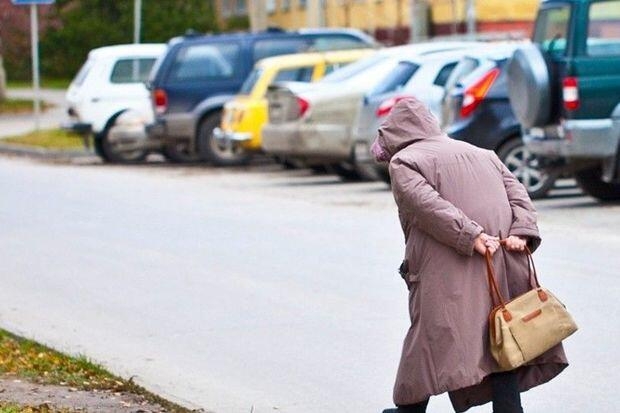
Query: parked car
[(110, 84), (314, 125), (565, 90), (245, 115), (477, 110), (422, 76), (199, 74)]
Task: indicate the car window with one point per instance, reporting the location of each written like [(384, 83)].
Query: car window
[(79, 78), (444, 74), (604, 29), (464, 67), (396, 78), (301, 74), (131, 70), (551, 31), (205, 62), (273, 47), (250, 81), (330, 67), (335, 42)]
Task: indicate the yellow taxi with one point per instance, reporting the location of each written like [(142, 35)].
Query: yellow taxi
[(245, 115)]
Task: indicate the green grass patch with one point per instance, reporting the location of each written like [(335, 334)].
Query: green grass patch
[(45, 83), (47, 139), (15, 106), (27, 359)]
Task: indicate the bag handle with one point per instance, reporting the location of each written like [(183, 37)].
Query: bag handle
[(494, 292)]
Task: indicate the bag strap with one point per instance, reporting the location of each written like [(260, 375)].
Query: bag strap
[(494, 292)]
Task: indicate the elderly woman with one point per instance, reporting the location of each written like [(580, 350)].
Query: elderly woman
[(454, 201)]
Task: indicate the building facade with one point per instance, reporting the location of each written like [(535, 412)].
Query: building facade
[(389, 20)]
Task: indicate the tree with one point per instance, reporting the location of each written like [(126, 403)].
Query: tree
[(82, 25)]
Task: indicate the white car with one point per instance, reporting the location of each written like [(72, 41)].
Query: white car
[(108, 98)]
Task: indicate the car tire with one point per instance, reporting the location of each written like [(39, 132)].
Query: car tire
[(216, 152), (592, 184), (179, 152), (111, 153), (527, 168), (529, 86), (346, 171)]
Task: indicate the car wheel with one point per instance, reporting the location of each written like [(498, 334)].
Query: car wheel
[(527, 168), (346, 171), (179, 152), (113, 153), (590, 181), (219, 152)]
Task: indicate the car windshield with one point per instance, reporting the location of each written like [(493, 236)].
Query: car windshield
[(551, 29)]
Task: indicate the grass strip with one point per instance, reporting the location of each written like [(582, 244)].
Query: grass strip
[(44, 408), (27, 359), (19, 106), (47, 139), (45, 84)]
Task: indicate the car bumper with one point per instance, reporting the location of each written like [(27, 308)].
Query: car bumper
[(174, 127), (78, 127), (328, 142), (247, 139), (592, 139)]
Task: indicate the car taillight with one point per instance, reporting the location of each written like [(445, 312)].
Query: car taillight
[(477, 92), (160, 101), (570, 93), (303, 106), (386, 106)]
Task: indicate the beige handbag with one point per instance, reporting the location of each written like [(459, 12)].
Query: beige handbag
[(527, 326)]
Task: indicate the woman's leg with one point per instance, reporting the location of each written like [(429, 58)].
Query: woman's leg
[(506, 396)]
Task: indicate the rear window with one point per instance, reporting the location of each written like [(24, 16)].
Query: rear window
[(551, 30), (354, 68), (463, 68), (396, 79), (79, 78), (336, 42), (604, 29), (131, 70), (205, 62)]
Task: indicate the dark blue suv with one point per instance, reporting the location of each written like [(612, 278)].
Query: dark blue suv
[(198, 74)]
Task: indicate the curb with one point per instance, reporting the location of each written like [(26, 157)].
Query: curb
[(43, 154)]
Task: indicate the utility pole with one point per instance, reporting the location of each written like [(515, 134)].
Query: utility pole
[(418, 20), (314, 13), (258, 15), (137, 20), (470, 15)]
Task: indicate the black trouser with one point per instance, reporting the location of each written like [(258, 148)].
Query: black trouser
[(506, 397)]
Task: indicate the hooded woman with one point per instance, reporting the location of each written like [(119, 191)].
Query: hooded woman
[(454, 201)]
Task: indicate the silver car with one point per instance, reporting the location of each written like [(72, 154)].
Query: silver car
[(314, 125), (421, 76)]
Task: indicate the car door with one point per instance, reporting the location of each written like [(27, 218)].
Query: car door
[(597, 62)]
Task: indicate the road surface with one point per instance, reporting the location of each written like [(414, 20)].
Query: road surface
[(264, 289)]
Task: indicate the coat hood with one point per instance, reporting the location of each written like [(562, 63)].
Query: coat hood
[(409, 121)]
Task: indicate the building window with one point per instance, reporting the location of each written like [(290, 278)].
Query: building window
[(271, 6), (242, 8), (226, 8), (302, 4), (285, 5)]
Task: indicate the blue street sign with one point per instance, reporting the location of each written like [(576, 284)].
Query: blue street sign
[(29, 2)]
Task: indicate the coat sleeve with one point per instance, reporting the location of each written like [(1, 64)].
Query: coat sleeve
[(523, 211), (431, 213)]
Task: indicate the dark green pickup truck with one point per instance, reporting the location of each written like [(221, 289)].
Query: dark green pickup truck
[(565, 91)]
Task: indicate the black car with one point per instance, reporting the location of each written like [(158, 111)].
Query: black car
[(198, 74), (477, 110)]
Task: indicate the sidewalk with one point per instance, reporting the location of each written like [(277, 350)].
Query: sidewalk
[(11, 125)]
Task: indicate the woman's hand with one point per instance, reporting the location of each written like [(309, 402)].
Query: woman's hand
[(515, 243), (484, 241)]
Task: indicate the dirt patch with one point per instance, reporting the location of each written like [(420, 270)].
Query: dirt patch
[(24, 393)]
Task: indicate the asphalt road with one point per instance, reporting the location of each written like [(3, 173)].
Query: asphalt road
[(264, 289)]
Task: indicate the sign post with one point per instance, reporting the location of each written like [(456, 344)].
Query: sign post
[(34, 39)]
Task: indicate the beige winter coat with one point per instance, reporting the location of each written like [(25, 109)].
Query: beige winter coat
[(447, 193)]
